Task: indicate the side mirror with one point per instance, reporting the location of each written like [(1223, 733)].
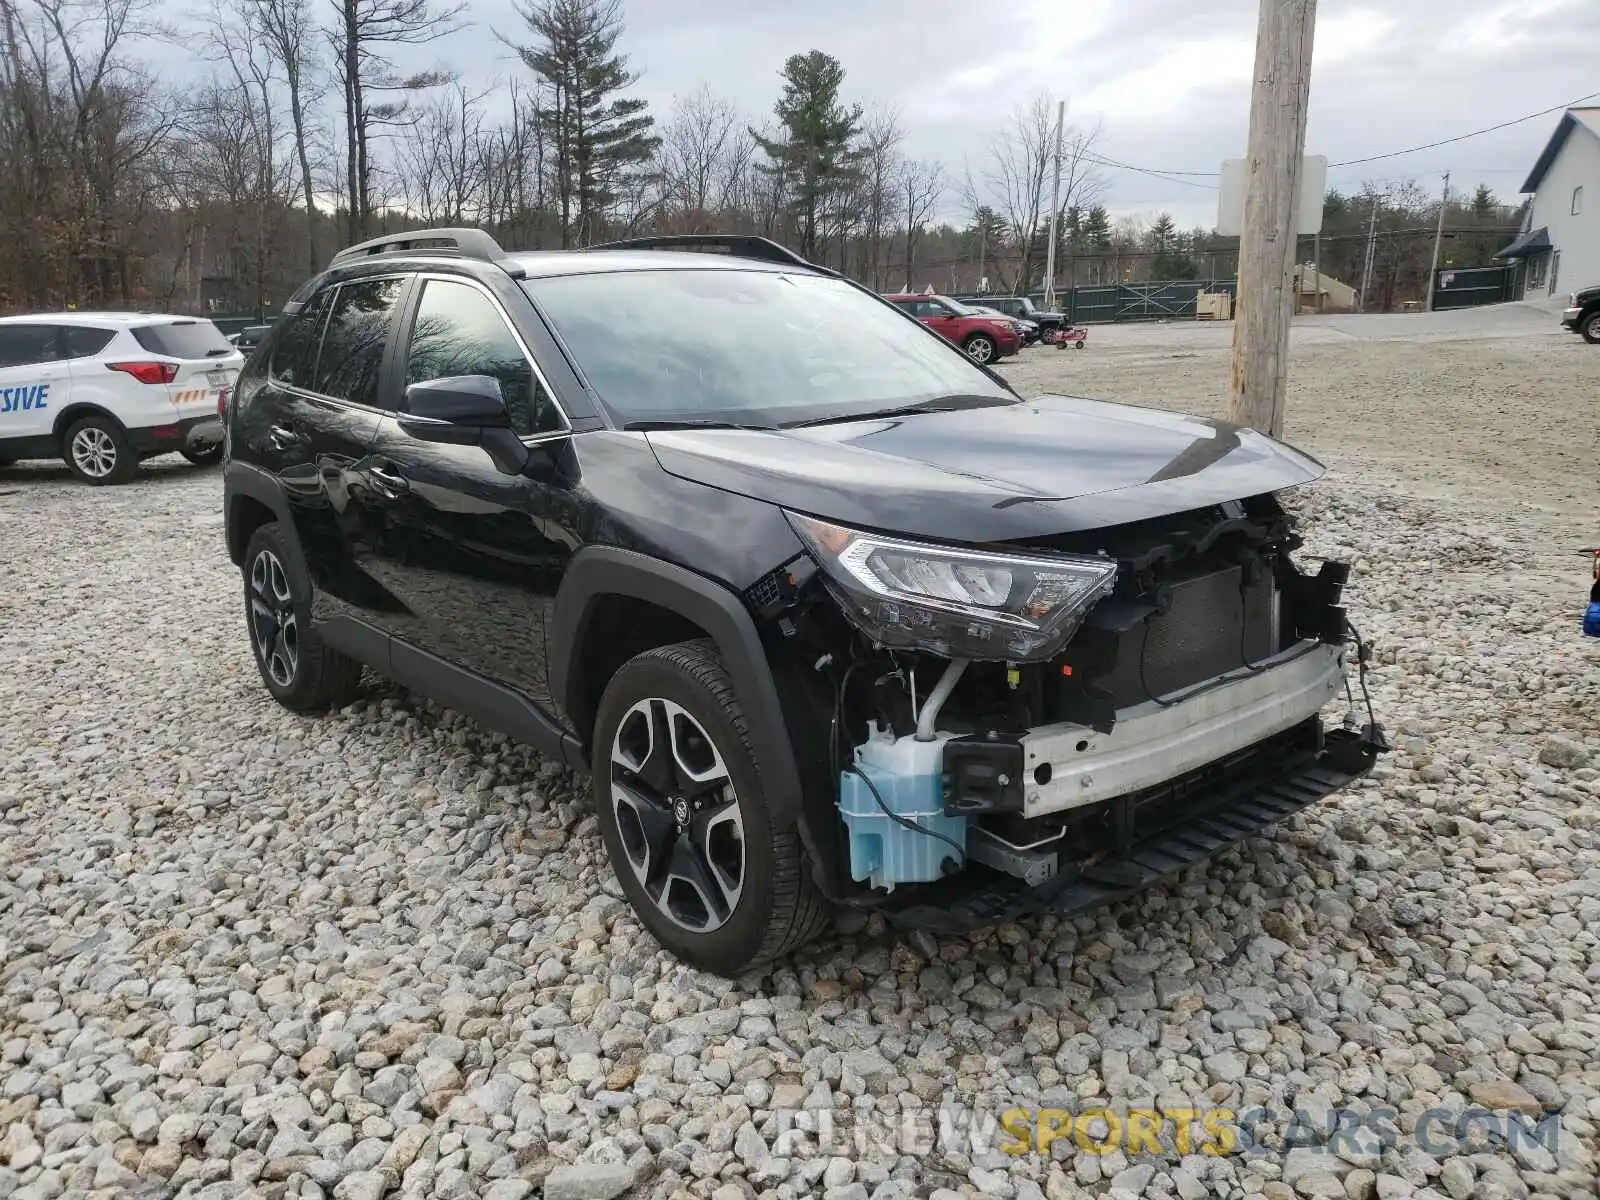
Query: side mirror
[(465, 410), (470, 401)]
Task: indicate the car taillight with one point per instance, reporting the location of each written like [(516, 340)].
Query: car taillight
[(147, 372)]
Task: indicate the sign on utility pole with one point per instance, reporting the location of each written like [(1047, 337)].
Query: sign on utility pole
[(1055, 209), (1267, 241)]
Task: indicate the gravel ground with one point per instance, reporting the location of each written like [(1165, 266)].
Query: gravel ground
[(243, 953)]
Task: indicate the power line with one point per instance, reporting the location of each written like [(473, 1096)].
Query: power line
[(1543, 112), (1169, 176), (1177, 176)]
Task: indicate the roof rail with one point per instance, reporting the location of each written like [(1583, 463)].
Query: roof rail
[(468, 243), (739, 245)]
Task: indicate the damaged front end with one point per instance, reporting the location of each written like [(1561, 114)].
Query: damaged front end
[(1051, 724)]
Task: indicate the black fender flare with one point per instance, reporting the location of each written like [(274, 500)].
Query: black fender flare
[(599, 571), (241, 480)]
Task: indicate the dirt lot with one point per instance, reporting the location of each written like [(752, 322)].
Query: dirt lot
[(1491, 406)]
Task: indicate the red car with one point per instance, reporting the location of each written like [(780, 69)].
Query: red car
[(984, 336)]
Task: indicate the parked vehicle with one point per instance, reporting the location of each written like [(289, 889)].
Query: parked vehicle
[(248, 338), (832, 616), (1582, 315), (985, 337), (1026, 330), (104, 390), (1022, 308)]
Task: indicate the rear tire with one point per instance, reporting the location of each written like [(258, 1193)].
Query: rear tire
[(302, 674), (980, 347), (677, 789), (209, 457), (1589, 323), (97, 451)]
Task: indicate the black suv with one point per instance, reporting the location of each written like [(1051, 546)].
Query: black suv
[(1023, 309), (833, 618)]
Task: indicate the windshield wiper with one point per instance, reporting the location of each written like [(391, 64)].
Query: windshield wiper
[(943, 404), (647, 426)]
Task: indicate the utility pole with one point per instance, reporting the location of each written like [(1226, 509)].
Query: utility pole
[(1055, 208), (1372, 243), (1273, 162), (1438, 236)]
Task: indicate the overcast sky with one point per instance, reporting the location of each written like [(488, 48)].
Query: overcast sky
[(1168, 80)]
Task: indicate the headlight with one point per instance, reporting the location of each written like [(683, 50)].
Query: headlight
[(953, 602)]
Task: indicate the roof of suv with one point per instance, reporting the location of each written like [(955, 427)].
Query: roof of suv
[(121, 320)]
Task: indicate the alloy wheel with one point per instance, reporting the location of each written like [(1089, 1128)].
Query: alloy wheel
[(677, 815), (1594, 327), (93, 451), (273, 626), (981, 349)]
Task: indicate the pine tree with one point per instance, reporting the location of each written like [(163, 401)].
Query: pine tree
[(596, 137), (814, 159), (1097, 229), (1170, 259)]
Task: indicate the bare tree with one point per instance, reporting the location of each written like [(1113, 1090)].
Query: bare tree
[(286, 32), (881, 135), (367, 28), (441, 161), (919, 185), (706, 149), (1017, 178)]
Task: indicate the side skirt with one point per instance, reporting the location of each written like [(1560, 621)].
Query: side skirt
[(490, 703)]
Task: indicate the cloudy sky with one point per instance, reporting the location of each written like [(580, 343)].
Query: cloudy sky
[(1168, 80)]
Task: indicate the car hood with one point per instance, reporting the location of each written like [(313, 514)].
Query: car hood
[(1056, 464)]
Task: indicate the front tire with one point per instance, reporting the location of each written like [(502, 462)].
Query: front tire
[(97, 451), (208, 457), (1590, 325), (677, 789), (302, 674), (980, 347)]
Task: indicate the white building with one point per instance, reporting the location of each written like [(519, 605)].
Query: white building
[(1559, 247)]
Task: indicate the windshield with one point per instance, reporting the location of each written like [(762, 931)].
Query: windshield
[(961, 310), (753, 347)]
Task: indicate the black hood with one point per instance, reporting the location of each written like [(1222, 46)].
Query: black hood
[(1052, 465)]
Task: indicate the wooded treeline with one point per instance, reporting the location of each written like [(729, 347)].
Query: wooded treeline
[(301, 135)]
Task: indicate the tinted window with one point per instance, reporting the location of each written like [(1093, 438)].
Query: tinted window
[(751, 346), (352, 345), (294, 356), (183, 339), (78, 342), (24, 345), (459, 331)]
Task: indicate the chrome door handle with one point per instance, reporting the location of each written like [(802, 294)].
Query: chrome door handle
[(284, 438), (386, 482)]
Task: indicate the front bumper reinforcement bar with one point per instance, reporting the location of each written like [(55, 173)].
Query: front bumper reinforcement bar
[(1242, 808)]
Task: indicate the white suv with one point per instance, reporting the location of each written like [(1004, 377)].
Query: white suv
[(104, 390)]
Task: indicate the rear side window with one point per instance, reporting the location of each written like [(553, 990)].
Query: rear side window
[(352, 345), (294, 356), (79, 342), (459, 331), (24, 345), (183, 339)]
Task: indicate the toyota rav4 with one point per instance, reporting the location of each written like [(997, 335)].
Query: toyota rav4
[(831, 616)]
